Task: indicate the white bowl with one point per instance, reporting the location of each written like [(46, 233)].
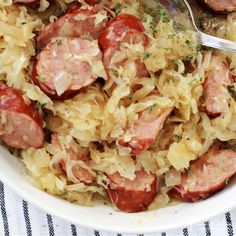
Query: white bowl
[(106, 218)]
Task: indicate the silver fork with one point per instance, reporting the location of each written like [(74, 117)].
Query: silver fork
[(205, 39)]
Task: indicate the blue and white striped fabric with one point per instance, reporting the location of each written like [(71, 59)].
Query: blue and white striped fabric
[(19, 218)]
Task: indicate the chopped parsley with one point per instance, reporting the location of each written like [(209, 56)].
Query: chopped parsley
[(146, 56), (232, 92), (222, 165), (116, 73), (172, 35), (208, 14), (152, 107), (178, 27), (200, 23), (189, 44), (209, 49), (153, 28), (130, 97), (231, 146), (63, 194), (176, 137), (203, 94), (199, 47), (175, 61), (59, 42), (160, 12), (40, 78), (40, 106), (187, 58), (117, 8), (194, 126)]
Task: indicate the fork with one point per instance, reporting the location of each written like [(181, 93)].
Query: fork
[(205, 39)]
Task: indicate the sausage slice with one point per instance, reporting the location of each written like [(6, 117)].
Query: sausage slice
[(20, 125), (79, 172), (220, 6), (66, 65), (117, 29), (215, 87), (76, 23), (206, 175), (123, 28), (132, 195), (144, 131), (27, 2)]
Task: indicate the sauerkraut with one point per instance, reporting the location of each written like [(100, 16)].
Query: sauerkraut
[(91, 123)]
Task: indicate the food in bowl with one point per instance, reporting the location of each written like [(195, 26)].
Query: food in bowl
[(116, 102)]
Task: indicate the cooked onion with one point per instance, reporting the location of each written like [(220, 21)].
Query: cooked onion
[(62, 82)]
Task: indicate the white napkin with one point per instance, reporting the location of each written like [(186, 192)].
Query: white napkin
[(20, 218)]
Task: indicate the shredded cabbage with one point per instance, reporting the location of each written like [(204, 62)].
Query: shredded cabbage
[(91, 123)]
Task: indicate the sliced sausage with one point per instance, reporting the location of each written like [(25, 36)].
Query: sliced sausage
[(91, 2), (117, 28), (144, 131), (66, 65), (27, 2), (80, 173), (220, 6), (76, 23), (123, 28), (110, 53), (20, 126), (132, 195), (215, 86), (34, 4), (206, 175)]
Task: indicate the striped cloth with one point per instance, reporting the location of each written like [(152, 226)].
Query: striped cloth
[(18, 217)]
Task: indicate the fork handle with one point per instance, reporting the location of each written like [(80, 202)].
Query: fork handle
[(215, 42)]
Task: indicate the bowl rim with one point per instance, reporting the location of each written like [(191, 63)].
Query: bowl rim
[(113, 229), (58, 207), (12, 173)]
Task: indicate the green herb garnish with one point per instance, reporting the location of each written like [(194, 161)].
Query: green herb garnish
[(117, 8), (231, 146), (187, 58), (194, 126), (153, 27), (203, 96), (200, 23), (116, 73), (64, 194), (189, 44), (160, 12), (146, 56), (152, 107), (40, 106), (59, 42), (232, 92), (176, 137), (175, 61), (209, 49), (40, 78)]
